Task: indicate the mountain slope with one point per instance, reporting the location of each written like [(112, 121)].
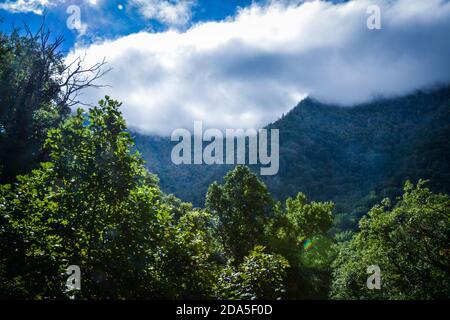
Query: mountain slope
[(344, 153), (351, 155)]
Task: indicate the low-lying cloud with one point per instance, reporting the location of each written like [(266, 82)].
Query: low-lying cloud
[(246, 71)]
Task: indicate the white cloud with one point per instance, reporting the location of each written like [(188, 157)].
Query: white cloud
[(92, 2), (247, 71), (170, 12), (34, 6)]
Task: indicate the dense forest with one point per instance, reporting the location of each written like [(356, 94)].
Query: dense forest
[(354, 156), (75, 191)]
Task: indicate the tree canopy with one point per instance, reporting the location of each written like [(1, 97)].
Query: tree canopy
[(74, 191), (408, 241)]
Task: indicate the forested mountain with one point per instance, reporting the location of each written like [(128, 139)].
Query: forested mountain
[(81, 199), (354, 156)]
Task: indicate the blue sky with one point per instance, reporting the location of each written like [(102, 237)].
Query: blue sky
[(109, 19), (242, 64)]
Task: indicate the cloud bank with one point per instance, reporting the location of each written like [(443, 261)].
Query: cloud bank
[(246, 71)]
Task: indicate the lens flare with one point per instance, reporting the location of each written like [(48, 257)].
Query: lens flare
[(308, 245)]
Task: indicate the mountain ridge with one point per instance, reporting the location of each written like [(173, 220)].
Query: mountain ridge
[(351, 155)]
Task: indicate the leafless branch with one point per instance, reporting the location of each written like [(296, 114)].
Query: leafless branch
[(77, 77), (71, 78)]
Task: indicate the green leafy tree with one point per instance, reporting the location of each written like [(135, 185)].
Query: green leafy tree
[(409, 242), (37, 89), (243, 206), (79, 209), (299, 233), (94, 205), (189, 269), (259, 276), (27, 90)]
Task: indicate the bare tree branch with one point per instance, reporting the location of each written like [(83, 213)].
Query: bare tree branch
[(71, 78)]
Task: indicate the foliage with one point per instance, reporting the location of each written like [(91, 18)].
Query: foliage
[(408, 241), (78, 194), (94, 205), (37, 89), (259, 276), (248, 217), (27, 94), (290, 230), (353, 156), (243, 206)]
